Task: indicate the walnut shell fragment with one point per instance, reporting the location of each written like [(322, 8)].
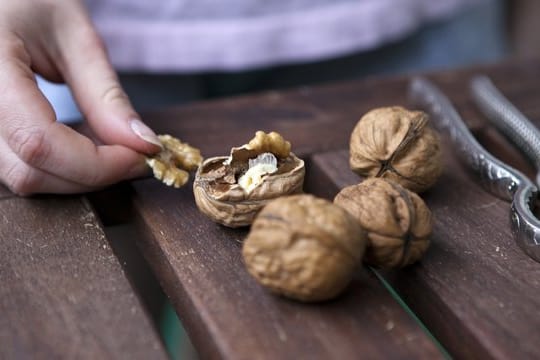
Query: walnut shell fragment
[(396, 144), (304, 248), (397, 221), (172, 163), (231, 190)]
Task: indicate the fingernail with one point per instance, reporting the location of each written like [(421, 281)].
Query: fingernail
[(144, 132)]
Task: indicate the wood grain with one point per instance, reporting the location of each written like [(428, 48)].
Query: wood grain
[(63, 292), (228, 315), (216, 126)]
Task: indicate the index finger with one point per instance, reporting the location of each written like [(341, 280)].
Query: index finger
[(29, 128)]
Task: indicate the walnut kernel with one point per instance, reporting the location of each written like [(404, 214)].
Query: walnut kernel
[(304, 248), (265, 163), (396, 144), (231, 190), (171, 163), (397, 221), (271, 143), (170, 175)]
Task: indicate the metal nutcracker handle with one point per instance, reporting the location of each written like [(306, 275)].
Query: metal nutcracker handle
[(495, 176), (508, 119)]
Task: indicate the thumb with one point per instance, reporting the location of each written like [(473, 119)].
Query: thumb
[(97, 90)]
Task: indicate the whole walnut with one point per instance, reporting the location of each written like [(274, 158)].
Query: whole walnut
[(397, 221), (303, 247), (396, 144), (231, 190)]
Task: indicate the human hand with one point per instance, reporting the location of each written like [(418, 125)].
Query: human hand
[(37, 154)]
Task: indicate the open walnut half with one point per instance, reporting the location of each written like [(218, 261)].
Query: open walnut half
[(232, 189)]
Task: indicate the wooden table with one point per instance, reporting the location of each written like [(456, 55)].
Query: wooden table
[(65, 292)]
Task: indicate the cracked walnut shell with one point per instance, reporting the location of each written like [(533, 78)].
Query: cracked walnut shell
[(396, 144), (303, 247), (172, 163), (397, 221), (231, 190)]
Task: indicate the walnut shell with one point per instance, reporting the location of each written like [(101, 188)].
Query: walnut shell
[(397, 221), (304, 248), (219, 193), (396, 144)]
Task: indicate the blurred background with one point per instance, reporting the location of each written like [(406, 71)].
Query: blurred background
[(523, 27), (487, 31)]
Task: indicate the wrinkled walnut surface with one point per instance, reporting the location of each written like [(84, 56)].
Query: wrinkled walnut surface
[(397, 221), (304, 248), (172, 163), (219, 195), (396, 144)]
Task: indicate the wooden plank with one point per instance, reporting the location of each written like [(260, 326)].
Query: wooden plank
[(63, 293), (474, 289), (216, 126), (228, 315)]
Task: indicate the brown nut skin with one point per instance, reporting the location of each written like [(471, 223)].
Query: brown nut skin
[(397, 221), (304, 248), (396, 144), (219, 196)]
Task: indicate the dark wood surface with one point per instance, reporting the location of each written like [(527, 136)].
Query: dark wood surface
[(63, 293), (230, 316), (475, 291)]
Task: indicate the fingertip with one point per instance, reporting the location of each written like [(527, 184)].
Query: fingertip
[(124, 128), (143, 132)]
